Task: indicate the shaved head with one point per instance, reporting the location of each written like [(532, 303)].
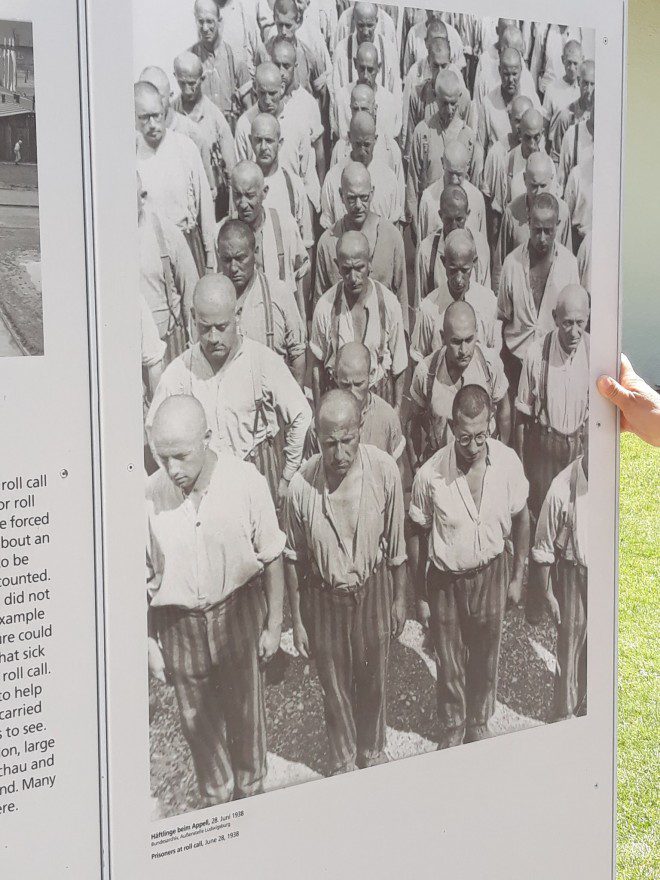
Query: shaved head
[(362, 124), (216, 291), (439, 53), (354, 356), (246, 173), (447, 83), (207, 7), (149, 113), (337, 409), (146, 94), (573, 50), (367, 52), (265, 124), (436, 28), (267, 75), (188, 64), (571, 316), (512, 38), (235, 231), (531, 121), (179, 435), (365, 19), (356, 190), (519, 106), (285, 7), (510, 58), (504, 23), (353, 244), (362, 11), (363, 98), (362, 136), (531, 132), (459, 245), (539, 171), (453, 196), (455, 161), (282, 50), (458, 316), (471, 402), (356, 175), (159, 79)]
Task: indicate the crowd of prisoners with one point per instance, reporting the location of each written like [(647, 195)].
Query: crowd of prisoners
[(365, 250)]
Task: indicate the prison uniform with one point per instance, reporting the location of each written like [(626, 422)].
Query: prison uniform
[(561, 541), (204, 571), (415, 49), (429, 209), (286, 193), (387, 261), (242, 403), (332, 327), (388, 196), (381, 427), (558, 97), (546, 63), (388, 112), (216, 132), (515, 302), (385, 27), (428, 277), (415, 81), (494, 120), (346, 599), (343, 65), (577, 146), (267, 312), (485, 369), (224, 77), (579, 196), (487, 78), (468, 580), (422, 104), (554, 395), (386, 152), (178, 188)]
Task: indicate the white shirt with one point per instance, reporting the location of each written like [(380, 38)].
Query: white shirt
[(229, 399), (567, 403), (294, 204), (515, 301), (343, 69), (429, 213), (461, 537), (560, 527), (388, 112), (197, 558), (416, 46), (579, 195), (388, 198)]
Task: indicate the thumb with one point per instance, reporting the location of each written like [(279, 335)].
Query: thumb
[(611, 390)]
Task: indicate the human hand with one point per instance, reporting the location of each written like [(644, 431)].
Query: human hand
[(553, 607), (423, 613), (638, 402), (282, 492), (269, 642), (301, 640), (156, 661)]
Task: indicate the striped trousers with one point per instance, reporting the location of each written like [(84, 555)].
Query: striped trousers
[(349, 635), (196, 245), (211, 658), (467, 613), (267, 457), (385, 388), (545, 454), (570, 588)]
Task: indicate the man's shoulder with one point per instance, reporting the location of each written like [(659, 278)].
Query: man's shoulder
[(565, 256), (156, 484), (482, 296), (434, 302), (517, 209), (378, 168), (389, 231), (287, 221), (472, 191), (379, 460), (427, 244), (515, 258), (325, 301), (391, 301), (504, 457), (304, 478), (245, 119)]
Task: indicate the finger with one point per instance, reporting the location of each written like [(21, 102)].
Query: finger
[(627, 370), (612, 391)]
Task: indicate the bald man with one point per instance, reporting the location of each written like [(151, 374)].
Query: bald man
[(388, 198), (419, 85), (456, 167), (386, 149), (215, 586), (422, 102), (579, 110), (246, 389), (265, 307), (495, 183), (296, 152), (576, 147), (179, 122), (539, 176), (454, 213), (494, 121), (560, 569), (546, 61), (311, 61), (467, 501), (564, 91), (458, 359), (314, 110), (434, 24), (361, 309), (533, 276), (199, 109), (280, 252), (172, 172), (226, 75), (284, 190), (168, 276), (387, 254), (346, 578), (387, 105), (365, 20), (488, 76), (553, 406), (431, 137)]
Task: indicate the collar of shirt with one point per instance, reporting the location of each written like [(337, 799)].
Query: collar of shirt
[(458, 476), (526, 262), (250, 296), (203, 368), (197, 112)]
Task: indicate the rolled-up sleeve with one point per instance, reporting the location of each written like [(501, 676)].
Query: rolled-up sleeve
[(290, 402), (397, 342), (295, 549), (421, 501), (267, 538), (525, 397), (547, 529), (318, 342), (394, 517)]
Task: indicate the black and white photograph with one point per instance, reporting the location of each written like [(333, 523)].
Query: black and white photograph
[(21, 311), (365, 292)]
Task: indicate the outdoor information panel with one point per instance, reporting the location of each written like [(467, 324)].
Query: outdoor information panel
[(308, 508)]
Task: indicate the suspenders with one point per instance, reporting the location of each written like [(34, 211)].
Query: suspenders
[(571, 524), (279, 241), (268, 311), (545, 368), (437, 356), (575, 144), (289, 189), (435, 245), (170, 287), (336, 312)]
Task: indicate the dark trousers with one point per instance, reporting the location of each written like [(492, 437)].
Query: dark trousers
[(196, 245), (467, 613), (211, 659), (570, 587), (349, 637), (267, 458)]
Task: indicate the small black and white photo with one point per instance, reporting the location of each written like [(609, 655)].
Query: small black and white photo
[(21, 309), (365, 237)]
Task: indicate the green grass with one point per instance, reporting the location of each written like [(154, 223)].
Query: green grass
[(639, 628)]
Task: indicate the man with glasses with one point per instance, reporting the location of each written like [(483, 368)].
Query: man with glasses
[(467, 501)]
